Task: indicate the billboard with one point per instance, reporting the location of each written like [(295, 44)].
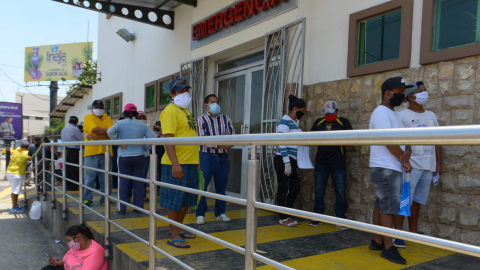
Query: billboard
[(11, 121), (54, 62)]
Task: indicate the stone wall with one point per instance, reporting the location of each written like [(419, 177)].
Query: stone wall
[(453, 208)]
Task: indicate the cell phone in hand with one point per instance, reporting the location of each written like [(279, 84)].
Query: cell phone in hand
[(49, 257)]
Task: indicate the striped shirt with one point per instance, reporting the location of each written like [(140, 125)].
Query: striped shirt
[(285, 125), (209, 126)]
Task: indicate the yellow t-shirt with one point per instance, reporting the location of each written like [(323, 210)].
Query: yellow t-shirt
[(90, 122), (18, 162), (180, 123)]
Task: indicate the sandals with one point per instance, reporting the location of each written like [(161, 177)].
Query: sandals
[(172, 243), (185, 233), (291, 224)]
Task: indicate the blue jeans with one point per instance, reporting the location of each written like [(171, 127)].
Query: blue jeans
[(219, 168), (98, 162), (339, 180)]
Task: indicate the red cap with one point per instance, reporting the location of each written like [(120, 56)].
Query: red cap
[(140, 113), (130, 108)]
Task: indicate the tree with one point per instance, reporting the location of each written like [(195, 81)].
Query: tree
[(57, 125)]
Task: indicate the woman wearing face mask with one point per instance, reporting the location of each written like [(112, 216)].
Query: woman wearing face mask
[(84, 253), (285, 161), (131, 158)]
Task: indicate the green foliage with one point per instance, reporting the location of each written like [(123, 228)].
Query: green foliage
[(28, 62), (88, 76), (58, 125), (87, 53)]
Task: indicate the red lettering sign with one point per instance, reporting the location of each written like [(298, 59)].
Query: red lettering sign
[(241, 11)]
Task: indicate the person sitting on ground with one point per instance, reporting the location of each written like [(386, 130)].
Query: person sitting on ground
[(84, 253), (16, 173)]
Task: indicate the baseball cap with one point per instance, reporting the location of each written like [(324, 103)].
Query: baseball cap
[(140, 113), (394, 82), (330, 106), (130, 107), (25, 144), (414, 86), (97, 103), (178, 85)]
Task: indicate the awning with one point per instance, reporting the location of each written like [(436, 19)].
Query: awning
[(69, 101), (154, 12)]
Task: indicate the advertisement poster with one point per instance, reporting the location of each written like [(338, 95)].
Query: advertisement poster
[(11, 120), (56, 62)]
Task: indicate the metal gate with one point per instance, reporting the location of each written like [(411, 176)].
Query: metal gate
[(195, 73), (284, 53)]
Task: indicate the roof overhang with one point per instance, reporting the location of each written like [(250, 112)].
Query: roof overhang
[(154, 12), (69, 101)]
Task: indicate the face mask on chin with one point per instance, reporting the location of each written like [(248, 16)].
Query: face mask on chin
[(182, 100), (98, 112)]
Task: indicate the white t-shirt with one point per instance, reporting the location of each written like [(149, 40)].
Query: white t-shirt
[(380, 157), (58, 164), (423, 156)]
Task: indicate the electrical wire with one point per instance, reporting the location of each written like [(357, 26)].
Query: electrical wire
[(22, 86)]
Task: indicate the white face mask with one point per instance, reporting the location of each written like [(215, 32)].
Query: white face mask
[(182, 100), (421, 98), (98, 112)]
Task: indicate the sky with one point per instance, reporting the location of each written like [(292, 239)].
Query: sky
[(26, 23)]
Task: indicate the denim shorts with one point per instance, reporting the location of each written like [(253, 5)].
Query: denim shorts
[(420, 182), (387, 184)]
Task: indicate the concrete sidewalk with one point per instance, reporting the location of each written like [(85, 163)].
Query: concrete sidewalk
[(23, 241)]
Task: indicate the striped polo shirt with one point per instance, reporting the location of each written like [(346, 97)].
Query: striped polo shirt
[(285, 125), (209, 126)]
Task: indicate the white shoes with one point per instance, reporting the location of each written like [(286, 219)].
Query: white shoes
[(200, 220), (222, 217)]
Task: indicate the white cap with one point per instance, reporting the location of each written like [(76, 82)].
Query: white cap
[(330, 106)]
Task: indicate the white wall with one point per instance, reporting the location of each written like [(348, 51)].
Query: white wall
[(158, 52), (80, 108)]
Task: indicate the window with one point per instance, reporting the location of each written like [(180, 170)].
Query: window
[(157, 94), (450, 30), (116, 105), (380, 38), (251, 58), (26, 117), (150, 96), (108, 106), (113, 105), (38, 118)]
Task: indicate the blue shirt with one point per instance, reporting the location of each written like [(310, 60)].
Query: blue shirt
[(72, 133), (130, 129)]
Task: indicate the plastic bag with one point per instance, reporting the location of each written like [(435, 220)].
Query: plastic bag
[(36, 210), (405, 199)]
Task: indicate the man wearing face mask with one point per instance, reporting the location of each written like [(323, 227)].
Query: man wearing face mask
[(331, 161), (213, 158), (426, 160), (387, 163), (180, 164), (95, 126)]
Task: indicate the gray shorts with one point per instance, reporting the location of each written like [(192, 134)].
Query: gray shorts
[(387, 184)]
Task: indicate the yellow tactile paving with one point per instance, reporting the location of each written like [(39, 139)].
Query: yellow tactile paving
[(363, 258), (139, 251), (143, 222)]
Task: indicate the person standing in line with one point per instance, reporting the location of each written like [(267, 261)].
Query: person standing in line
[(58, 167), (72, 133), (387, 163), (31, 151), (180, 164), (285, 161), (130, 157), (16, 173), (426, 160), (95, 126), (331, 161), (213, 158)]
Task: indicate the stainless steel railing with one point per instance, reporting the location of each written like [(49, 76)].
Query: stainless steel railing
[(455, 135)]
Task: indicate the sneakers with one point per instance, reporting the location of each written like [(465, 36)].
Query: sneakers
[(87, 202), (315, 223), (200, 220), (399, 243), (392, 255), (342, 227), (223, 217), (18, 209), (376, 246)]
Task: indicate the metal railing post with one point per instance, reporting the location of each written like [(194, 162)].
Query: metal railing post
[(35, 177), (43, 175), (25, 202), (52, 179), (152, 232), (251, 226), (64, 184), (80, 186), (107, 205)]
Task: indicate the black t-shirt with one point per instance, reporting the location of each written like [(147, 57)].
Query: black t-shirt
[(331, 156)]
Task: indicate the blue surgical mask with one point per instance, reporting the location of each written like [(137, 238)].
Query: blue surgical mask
[(214, 108)]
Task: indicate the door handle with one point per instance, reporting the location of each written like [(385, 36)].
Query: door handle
[(242, 129)]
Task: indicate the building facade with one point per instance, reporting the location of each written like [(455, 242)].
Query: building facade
[(320, 50)]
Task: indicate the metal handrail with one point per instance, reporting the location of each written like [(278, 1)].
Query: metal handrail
[(454, 135)]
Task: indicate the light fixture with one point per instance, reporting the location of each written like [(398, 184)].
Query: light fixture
[(127, 36)]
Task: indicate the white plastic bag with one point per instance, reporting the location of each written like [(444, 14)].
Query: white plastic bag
[(36, 210)]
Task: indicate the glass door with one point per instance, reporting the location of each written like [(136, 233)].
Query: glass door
[(240, 97)]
